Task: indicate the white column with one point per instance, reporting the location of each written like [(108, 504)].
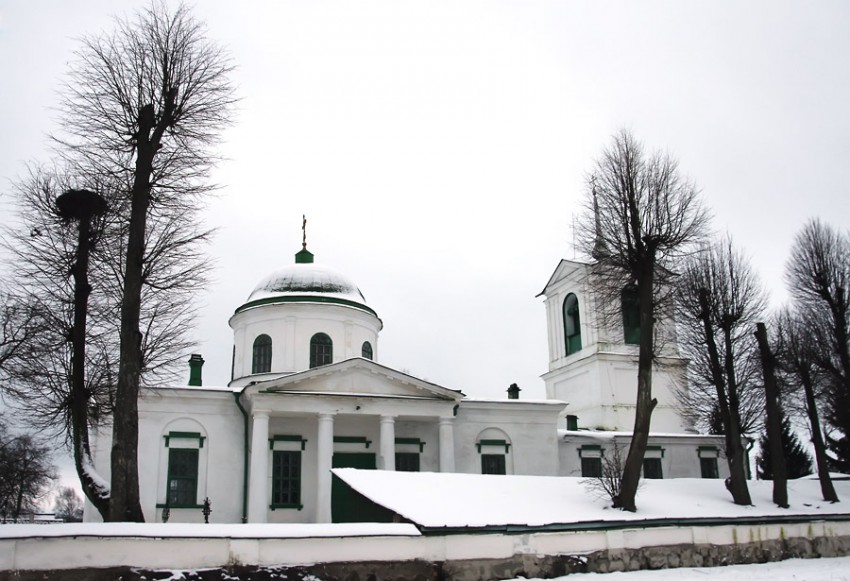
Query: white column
[(258, 491), (387, 443), (447, 445), (323, 459)]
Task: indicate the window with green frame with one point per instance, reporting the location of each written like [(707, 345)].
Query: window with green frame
[(708, 468), (652, 468), (321, 350), (182, 477), (492, 464), (366, 350), (262, 356), (631, 315), (591, 467), (286, 479), (407, 462), (572, 324)]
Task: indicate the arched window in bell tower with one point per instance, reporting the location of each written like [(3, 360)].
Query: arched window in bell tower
[(262, 359), (631, 315), (572, 324), (321, 350)]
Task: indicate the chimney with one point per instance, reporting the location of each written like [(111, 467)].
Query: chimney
[(513, 391), (196, 363), (572, 423)]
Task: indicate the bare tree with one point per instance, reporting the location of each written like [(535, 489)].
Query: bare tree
[(69, 505), (818, 274), (641, 216), (140, 112), (773, 421), (145, 103), (609, 482), (25, 472), (796, 359), (720, 298)]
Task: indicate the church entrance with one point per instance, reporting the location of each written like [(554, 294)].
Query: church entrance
[(345, 504)]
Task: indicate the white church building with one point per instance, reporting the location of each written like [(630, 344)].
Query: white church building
[(308, 394)]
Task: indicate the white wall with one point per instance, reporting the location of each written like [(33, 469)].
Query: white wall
[(210, 546)]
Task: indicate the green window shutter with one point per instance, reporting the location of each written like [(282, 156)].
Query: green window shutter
[(493, 464), (591, 467), (182, 477), (286, 479), (652, 468), (708, 467), (631, 315), (406, 462)]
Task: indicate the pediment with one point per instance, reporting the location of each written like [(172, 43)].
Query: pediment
[(565, 268), (357, 377)]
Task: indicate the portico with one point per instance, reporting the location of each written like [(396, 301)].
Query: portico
[(318, 419)]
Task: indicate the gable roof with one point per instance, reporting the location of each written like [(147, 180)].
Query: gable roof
[(357, 376), (564, 268)]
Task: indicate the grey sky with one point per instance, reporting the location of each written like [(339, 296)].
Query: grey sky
[(439, 148)]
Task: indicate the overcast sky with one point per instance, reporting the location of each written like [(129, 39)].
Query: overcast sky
[(439, 149)]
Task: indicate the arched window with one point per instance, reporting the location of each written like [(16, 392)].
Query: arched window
[(366, 350), (321, 350), (262, 360), (631, 315), (572, 325)]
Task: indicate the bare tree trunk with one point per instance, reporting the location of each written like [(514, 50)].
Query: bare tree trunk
[(125, 503), (645, 402), (79, 396), (731, 422), (826, 487), (774, 422)]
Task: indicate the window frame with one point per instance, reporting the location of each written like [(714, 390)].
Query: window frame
[(708, 468), (656, 472), (495, 464), (630, 306), (321, 350), (572, 319), (366, 351), (261, 354), (286, 488), (591, 466), (173, 478), (407, 462)]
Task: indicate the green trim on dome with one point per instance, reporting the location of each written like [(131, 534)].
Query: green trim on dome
[(303, 256), (304, 299)]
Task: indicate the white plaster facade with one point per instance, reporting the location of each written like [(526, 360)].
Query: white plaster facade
[(262, 448)]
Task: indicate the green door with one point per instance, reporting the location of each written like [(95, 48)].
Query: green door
[(346, 505)]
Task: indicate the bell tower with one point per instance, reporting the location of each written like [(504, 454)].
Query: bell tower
[(593, 358)]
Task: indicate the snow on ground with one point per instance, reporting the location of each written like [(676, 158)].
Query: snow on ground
[(468, 500), (837, 569)]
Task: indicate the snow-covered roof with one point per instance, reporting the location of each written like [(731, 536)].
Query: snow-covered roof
[(307, 279), (436, 500), (602, 435)]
